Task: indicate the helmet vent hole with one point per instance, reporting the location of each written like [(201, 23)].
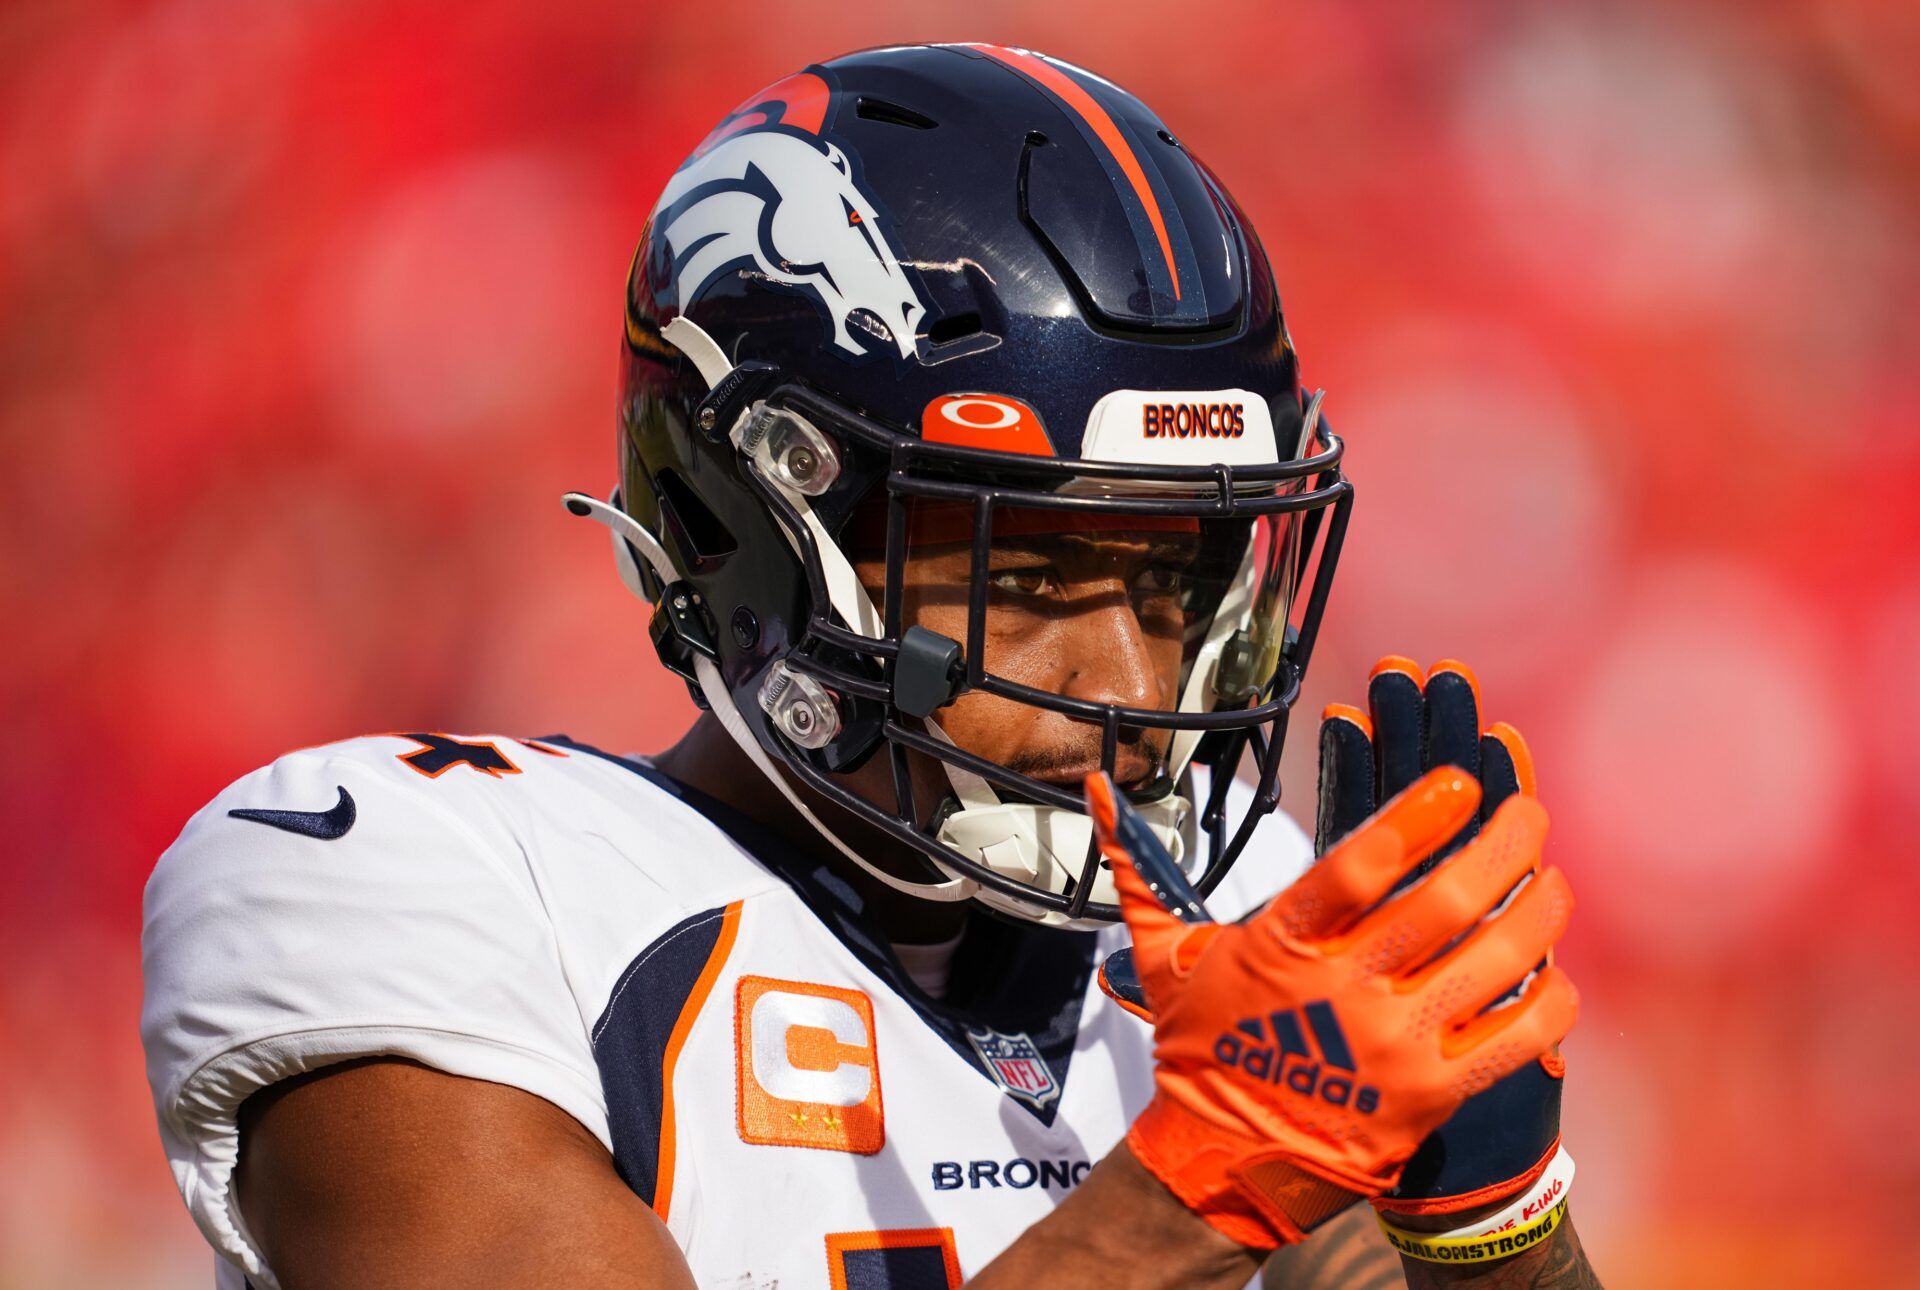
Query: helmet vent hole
[(892, 114), (689, 519), (953, 327), (1168, 139)]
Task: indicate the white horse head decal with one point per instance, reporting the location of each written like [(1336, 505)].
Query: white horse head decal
[(787, 203)]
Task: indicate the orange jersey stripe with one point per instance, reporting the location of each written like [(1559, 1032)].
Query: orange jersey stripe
[(722, 946), (1069, 92)]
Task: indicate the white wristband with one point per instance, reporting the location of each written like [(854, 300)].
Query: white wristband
[(1549, 1190)]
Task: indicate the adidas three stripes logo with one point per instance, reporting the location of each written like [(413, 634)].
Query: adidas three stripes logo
[(1302, 1047)]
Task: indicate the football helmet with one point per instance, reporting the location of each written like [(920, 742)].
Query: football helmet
[(949, 294)]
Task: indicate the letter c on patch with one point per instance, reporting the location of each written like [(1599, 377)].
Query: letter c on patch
[(776, 1015)]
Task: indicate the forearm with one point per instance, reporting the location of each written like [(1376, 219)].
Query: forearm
[(1121, 1228), (1345, 1253), (1350, 1253)]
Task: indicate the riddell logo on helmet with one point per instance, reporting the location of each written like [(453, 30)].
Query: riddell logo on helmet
[(1193, 420), (1274, 1049)]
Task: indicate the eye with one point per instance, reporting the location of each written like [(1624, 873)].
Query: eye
[(1159, 580), (1036, 580)]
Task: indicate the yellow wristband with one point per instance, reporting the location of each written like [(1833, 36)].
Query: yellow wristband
[(1475, 1249)]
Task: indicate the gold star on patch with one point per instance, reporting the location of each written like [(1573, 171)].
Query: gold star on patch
[(798, 1117), (832, 1121)]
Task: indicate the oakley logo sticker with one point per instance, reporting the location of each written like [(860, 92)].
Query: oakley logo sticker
[(995, 421), (1275, 1050), (766, 194)]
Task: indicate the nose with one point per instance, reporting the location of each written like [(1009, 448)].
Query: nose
[(1111, 660)]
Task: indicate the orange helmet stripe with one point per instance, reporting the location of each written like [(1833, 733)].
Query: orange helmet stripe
[(1068, 91)]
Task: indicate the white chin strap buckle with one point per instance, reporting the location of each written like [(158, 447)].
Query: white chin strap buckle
[(1046, 846)]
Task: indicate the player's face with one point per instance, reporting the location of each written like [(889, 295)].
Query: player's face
[(1093, 616)]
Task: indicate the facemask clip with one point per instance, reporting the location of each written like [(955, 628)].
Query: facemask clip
[(788, 450), (802, 708), (680, 629), (927, 673)]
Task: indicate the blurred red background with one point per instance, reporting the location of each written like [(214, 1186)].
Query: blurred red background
[(310, 314)]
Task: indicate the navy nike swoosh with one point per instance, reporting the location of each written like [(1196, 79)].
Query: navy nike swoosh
[(325, 825)]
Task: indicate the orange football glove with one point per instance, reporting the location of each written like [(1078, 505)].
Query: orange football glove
[(1302, 1055)]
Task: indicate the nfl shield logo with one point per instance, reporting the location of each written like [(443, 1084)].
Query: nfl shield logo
[(1016, 1065)]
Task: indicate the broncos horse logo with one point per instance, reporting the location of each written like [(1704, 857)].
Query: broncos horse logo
[(775, 195)]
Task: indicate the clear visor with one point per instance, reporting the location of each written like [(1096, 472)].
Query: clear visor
[(1148, 613)]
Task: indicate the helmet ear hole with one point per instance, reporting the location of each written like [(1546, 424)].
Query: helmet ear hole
[(953, 327), (873, 109), (699, 532)]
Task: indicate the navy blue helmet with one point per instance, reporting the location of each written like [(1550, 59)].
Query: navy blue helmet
[(944, 294)]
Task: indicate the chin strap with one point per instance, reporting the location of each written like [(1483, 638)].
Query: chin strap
[(723, 707), (629, 535)]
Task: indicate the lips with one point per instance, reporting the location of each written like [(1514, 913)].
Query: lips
[(1130, 771)]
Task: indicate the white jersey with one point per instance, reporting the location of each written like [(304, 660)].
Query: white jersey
[(710, 1005)]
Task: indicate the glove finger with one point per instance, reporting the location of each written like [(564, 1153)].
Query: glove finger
[(1497, 957), (1506, 767), (1346, 775), (1359, 872), (1155, 930), (1454, 897), (1495, 1044), (1120, 831), (1506, 770), (1120, 981), (1498, 775), (1453, 734), (1399, 723)]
